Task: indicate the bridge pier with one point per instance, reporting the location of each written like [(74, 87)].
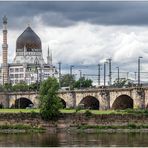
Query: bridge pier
[(139, 98), (105, 99), (72, 101)]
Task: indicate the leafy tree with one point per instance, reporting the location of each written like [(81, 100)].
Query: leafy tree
[(67, 80), (1, 88), (20, 87), (49, 100), (83, 83), (123, 82), (34, 86), (7, 87)]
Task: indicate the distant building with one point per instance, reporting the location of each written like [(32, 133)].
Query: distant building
[(28, 65)]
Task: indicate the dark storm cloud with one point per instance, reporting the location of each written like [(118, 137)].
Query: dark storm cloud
[(68, 13)]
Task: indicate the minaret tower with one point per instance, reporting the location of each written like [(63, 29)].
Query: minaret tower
[(49, 57), (5, 52)]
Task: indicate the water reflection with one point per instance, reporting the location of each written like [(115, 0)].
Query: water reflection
[(81, 139)]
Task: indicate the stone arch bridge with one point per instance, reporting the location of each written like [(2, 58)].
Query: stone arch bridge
[(102, 98)]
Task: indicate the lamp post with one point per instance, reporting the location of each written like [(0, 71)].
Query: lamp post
[(118, 75), (139, 70)]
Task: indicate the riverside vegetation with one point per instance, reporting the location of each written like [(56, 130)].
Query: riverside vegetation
[(20, 128), (50, 110), (80, 120)]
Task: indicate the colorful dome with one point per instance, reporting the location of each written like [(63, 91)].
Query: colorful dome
[(28, 39)]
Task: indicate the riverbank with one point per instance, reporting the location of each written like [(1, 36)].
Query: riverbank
[(129, 128), (75, 122), (20, 128)]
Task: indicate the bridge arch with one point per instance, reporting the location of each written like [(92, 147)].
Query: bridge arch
[(123, 102), (22, 102), (90, 102), (63, 102)]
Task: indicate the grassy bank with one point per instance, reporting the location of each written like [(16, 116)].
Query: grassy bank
[(101, 112), (97, 112), (84, 110), (19, 110), (8, 128), (128, 126), (110, 128)]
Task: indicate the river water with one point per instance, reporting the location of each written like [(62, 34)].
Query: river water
[(81, 139)]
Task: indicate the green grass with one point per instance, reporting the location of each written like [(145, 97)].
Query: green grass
[(26, 128), (61, 110), (19, 110), (128, 126), (97, 112)]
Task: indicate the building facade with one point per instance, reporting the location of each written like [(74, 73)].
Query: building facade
[(28, 64)]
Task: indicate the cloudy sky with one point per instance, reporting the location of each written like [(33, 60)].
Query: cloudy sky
[(84, 34)]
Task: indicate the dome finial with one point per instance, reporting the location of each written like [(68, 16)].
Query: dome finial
[(4, 19)]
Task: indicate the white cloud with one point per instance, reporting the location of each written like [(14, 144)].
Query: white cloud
[(89, 44)]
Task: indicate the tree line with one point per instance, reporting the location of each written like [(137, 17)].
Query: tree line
[(20, 87), (66, 81)]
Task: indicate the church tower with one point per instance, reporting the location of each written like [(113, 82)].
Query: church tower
[(5, 52)]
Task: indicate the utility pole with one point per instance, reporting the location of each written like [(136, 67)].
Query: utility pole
[(84, 76), (71, 69), (118, 75), (104, 73), (110, 72), (80, 78), (99, 74), (139, 70), (36, 69), (135, 75), (80, 73), (59, 74), (127, 75)]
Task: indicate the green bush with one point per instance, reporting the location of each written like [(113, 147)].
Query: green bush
[(78, 108), (1, 106), (88, 113), (132, 126), (33, 114)]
